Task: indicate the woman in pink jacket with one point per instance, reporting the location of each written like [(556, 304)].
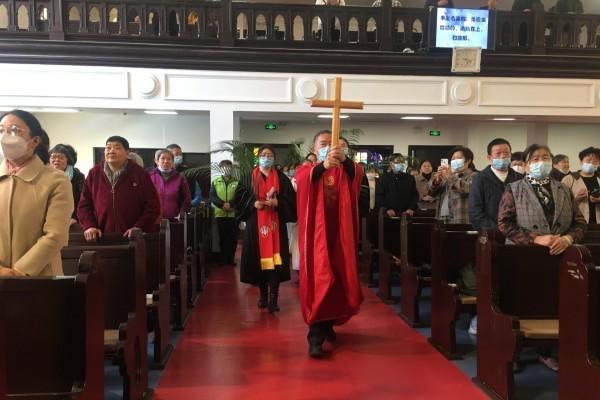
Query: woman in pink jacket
[(171, 186)]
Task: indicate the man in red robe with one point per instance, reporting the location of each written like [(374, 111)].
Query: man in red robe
[(328, 215)]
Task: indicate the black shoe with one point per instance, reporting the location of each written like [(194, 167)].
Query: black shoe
[(331, 336), (273, 306), (315, 350)]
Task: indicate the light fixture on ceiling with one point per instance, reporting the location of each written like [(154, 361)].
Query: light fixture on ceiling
[(416, 118), (329, 116), (504, 119), (160, 112), (57, 110)]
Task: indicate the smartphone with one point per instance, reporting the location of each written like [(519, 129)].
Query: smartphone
[(444, 162), (595, 192)]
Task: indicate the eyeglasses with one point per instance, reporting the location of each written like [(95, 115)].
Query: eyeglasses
[(11, 130), (58, 156)]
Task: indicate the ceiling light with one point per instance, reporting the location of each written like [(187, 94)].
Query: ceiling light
[(57, 110), (504, 119), (160, 112), (329, 116), (416, 118)]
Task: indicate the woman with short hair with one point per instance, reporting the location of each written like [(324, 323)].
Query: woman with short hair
[(36, 201), (170, 185), (63, 157)]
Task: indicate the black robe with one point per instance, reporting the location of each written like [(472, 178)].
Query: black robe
[(250, 270)]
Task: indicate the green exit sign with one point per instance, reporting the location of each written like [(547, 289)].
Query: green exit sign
[(270, 126), (435, 133)]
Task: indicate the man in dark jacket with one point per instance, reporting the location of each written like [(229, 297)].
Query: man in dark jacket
[(396, 191), (488, 186), (117, 195)]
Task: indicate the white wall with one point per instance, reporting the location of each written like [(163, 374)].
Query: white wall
[(86, 130), (571, 139), (483, 133)]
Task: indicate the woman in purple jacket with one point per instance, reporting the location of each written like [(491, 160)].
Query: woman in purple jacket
[(171, 186)]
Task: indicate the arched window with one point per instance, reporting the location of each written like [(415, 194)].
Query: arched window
[(74, 19), (399, 30), (22, 18), (317, 28), (565, 36), (583, 39), (260, 29), (523, 35), (598, 37), (3, 17), (506, 34), (41, 22), (134, 22), (353, 30), (336, 33), (371, 30), (153, 23), (94, 20), (193, 23), (174, 23), (113, 15), (279, 28), (417, 31), (298, 28), (242, 26), (549, 35), (113, 26)]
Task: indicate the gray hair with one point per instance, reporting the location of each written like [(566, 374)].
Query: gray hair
[(160, 152)]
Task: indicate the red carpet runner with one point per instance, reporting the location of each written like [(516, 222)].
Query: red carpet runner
[(232, 350)]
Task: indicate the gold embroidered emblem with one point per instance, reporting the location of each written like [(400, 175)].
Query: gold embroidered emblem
[(330, 181)]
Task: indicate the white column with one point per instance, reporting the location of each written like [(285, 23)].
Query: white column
[(224, 125)]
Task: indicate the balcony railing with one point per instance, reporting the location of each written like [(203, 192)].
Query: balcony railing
[(238, 24)]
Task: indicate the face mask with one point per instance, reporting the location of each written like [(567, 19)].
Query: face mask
[(165, 170), (323, 153), (399, 168), (457, 165), (371, 176), (589, 168), (519, 169), (13, 147), (501, 164), (178, 160), (540, 170), (564, 171), (292, 173), (265, 162)]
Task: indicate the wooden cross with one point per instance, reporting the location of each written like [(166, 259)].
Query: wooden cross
[(337, 104)]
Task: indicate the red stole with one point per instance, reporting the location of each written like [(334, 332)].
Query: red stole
[(328, 228), (267, 219)]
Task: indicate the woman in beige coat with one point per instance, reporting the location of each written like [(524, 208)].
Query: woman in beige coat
[(36, 201), (585, 185)]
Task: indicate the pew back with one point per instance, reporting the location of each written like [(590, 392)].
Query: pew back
[(452, 247), (416, 240), (158, 256)]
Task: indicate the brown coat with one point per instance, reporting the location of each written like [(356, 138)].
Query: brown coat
[(575, 183), (35, 209)]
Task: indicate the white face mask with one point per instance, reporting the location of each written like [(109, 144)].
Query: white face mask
[(12, 147), (518, 168)]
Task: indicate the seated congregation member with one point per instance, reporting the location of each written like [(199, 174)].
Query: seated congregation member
[(193, 184), (117, 195), (453, 184), (489, 185), (396, 191), (170, 185), (423, 181), (585, 185), (36, 201), (63, 158), (439, 3), (266, 207), (517, 162), (222, 194), (560, 167), (539, 210)]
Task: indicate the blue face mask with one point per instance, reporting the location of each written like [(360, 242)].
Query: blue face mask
[(265, 162), (323, 153), (398, 168), (501, 164), (588, 168), (457, 164), (292, 173), (540, 170), (178, 160)]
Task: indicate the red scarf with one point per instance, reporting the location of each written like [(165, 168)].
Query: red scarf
[(267, 218)]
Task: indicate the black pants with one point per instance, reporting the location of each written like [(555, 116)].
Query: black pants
[(227, 239), (318, 331)]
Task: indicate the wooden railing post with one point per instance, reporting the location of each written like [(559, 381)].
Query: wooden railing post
[(386, 42), (56, 28), (539, 29), (225, 30)]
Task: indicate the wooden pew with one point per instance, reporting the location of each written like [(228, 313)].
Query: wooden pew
[(415, 250), (204, 212), (579, 349), (53, 335), (179, 274), (389, 253), (517, 305), (452, 248), (192, 257), (158, 292), (369, 246), (123, 265)]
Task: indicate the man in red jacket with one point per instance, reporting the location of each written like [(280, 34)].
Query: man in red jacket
[(117, 195)]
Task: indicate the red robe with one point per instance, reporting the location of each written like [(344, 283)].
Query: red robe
[(328, 228)]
